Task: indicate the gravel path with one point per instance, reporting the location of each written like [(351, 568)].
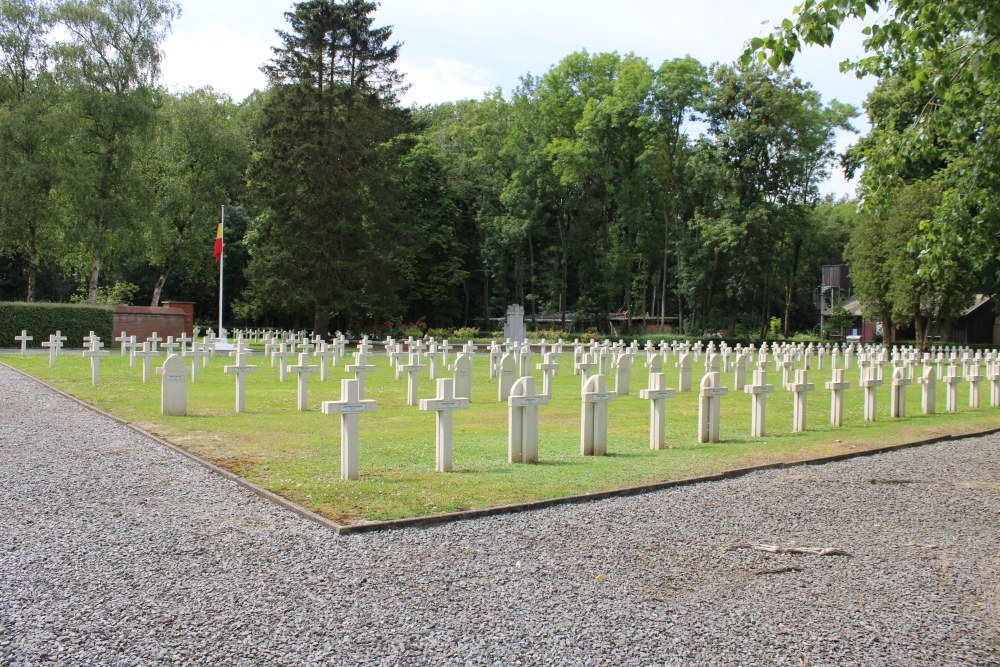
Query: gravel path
[(115, 551)]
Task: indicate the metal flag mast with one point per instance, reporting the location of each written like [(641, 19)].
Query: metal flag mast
[(222, 261)]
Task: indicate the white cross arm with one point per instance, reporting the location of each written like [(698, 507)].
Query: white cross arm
[(348, 407), (605, 397), (657, 394), (437, 404), (239, 369), (527, 401)]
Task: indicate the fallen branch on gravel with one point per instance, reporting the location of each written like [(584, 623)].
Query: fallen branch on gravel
[(779, 570), (770, 548)]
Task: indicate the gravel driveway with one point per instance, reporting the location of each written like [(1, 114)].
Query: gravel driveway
[(116, 551)]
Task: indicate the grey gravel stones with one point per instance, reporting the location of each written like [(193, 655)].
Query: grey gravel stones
[(116, 551)]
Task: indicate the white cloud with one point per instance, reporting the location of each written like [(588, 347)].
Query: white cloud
[(444, 80), (215, 56)]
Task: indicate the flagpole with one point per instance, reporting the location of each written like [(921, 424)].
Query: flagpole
[(222, 261)]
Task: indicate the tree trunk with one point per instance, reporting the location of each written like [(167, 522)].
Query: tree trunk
[(165, 267), (321, 322), (95, 267)]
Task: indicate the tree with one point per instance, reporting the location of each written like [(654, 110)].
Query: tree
[(678, 91), (112, 58), (193, 165), (31, 131), (771, 143), (323, 173), (942, 58)]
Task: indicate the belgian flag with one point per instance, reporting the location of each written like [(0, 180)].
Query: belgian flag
[(218, 244)]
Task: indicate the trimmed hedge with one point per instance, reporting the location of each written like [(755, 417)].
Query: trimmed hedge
[(41, 320)]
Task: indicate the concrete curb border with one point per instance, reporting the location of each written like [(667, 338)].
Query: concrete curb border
[(465, 515)]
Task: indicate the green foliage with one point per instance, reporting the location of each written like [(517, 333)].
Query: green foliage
[(41, 320), (326, 237), (119, 294), (935, 114), (837, 321)]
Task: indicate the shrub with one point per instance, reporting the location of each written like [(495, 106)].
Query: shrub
[(465, 333), (43, 319)]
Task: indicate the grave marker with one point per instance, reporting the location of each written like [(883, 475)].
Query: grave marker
[(657, 394), (173, 386), (709, 407), (522, 421), (897, 400), (758, 390), (443, 405), (594, 417), (800, 387), (462, 369), (302, 370), (349, 407), (240, 369), (837, 386), (412, 371), (24, 338)]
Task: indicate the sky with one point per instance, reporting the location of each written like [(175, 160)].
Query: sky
[(460, 49)]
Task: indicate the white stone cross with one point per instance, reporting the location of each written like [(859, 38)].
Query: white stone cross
[(897, 399), (623, 373), (870, 382), (173, 386), (146, 355), (434, 357), (928, 390), (837, 386), (585, 368), (325, 353), (800, 388), (302, 370), (95, 353), (53, 346), (184, 340), (349, 407), (594, 417), (462, 370), (240, 369), (197, 353), (549, 367), (684, 374), (758, 390), (973, 376), (170, 346), (154, 341), (951, 380), (443, 405), (361, 368), (656, 394), (522, 421), (412, 370), (123, 341), (284, 354), (992, 374), (506, 376), (24, 338), (709, 407)]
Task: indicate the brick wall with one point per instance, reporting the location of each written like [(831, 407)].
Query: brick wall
[(188, 308), (142, 321)]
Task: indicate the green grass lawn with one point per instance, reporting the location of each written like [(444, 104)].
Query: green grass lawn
[(296, 454)]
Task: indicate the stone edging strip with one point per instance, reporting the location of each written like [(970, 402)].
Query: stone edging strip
[(464, 515)]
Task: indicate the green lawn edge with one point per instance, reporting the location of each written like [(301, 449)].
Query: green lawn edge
[(296, 454)]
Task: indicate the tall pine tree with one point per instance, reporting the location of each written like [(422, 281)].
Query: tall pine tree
[(322, 176)]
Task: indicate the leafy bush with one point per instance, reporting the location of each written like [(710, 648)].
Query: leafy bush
[(119, 294), (41, 320), (465, 333)]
